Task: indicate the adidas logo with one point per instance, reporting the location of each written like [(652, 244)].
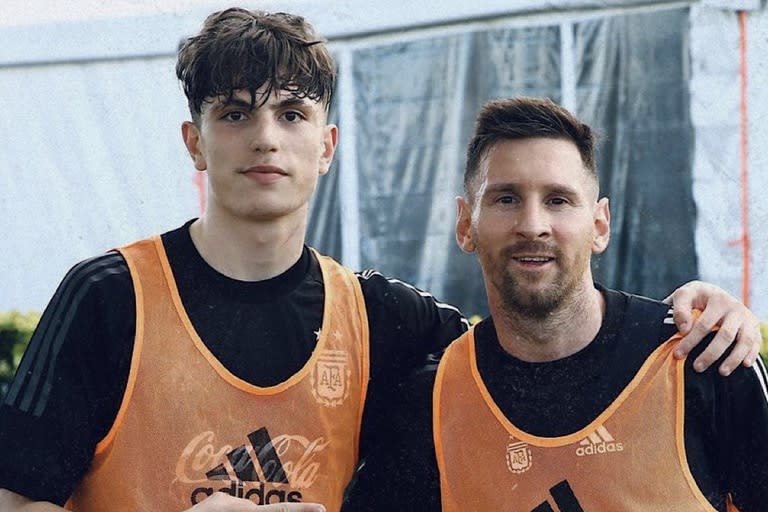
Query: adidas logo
[(564, 498), (598, 442), (241, 473)]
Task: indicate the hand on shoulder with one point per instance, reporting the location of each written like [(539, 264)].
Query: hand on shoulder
[(736, 325)]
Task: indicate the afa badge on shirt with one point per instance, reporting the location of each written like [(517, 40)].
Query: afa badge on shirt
[(519, 458), (331, 378)]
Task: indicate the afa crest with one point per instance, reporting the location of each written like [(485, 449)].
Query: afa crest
[(331, 378), (519, 458)]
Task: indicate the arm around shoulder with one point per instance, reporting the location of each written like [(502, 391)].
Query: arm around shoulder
[(69, 384), (411, 323), (738, 326)]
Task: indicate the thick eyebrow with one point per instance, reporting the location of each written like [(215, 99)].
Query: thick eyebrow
[(286, 102), (292, 102), (563, 190), (501, 187), (231, 102), (557, 189)]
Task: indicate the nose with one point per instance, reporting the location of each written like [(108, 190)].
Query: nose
[(533, 222), (263, 135)]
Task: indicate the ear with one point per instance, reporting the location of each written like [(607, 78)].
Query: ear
[(191, 135), (464, 225), (330, 140), (602, 226)]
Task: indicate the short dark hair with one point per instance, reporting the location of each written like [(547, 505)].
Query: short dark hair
[(242, 49), (525, 117)]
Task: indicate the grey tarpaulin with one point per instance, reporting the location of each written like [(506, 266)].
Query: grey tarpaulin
[(416, 102)]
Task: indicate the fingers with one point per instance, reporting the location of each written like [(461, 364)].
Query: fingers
[(753, 336), (737, 330), (683, 317), (701, 328), (744, 352), (719, 345), (744, 331), (685, 299), (752, 339)]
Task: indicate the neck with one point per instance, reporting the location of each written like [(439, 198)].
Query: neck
[(560, 334), (247, 249)]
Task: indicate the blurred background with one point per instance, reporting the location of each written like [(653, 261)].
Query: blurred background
[(91, 155)]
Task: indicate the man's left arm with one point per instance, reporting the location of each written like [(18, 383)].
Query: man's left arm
[(736, 323)]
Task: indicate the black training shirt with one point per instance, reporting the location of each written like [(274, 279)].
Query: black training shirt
[(69, 385)]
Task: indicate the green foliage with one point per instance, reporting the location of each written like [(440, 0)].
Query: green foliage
[(15, 330), (474, 319), (764, 332)]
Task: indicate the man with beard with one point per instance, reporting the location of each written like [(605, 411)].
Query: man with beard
[(225, 365), (568, 396)]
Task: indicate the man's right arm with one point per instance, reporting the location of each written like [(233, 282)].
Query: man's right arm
[(69, 385)]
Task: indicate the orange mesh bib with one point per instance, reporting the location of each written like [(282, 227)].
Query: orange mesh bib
[(630, 458), (187, 427)]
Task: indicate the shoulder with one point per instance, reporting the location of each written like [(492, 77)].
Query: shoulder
[(86, 327), (742, 393), (100, 277), (754, 378), (743, 381), (396, 294), (95, 294), (640, 317), (94, 301), (406, 323), (98, 267), (759, 374), (640, 306), (108, 270)]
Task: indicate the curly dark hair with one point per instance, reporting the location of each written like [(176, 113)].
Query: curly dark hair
[(242, 49), (526, 117)]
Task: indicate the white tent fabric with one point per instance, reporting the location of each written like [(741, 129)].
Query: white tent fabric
[(92, 156), (91, 159), (715, 110)]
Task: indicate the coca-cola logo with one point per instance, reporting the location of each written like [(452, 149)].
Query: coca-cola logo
[(296, 455)]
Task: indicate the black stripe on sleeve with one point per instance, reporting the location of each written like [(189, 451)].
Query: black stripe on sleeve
[(35, 377)]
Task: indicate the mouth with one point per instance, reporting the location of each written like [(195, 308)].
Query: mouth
[(265, 169), (265, 174), (533, 261)]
